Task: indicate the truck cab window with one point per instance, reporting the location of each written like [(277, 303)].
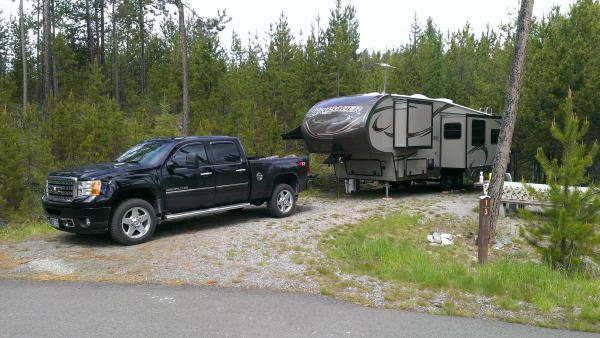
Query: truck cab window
[(477, 133), (225, 153), (452, 131), (196, 148)]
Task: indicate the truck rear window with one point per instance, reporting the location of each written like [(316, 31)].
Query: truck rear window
[(225, 153)]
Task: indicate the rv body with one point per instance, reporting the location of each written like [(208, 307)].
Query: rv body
[(399, 138)]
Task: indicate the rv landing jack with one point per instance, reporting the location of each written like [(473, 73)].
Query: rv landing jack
[(387, 191)]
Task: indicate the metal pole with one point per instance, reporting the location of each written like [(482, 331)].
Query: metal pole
[(384, 79), (483, 238)]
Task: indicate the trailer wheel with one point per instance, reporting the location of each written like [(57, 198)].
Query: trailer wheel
[(457, 180), (446, 180), (282, 202)]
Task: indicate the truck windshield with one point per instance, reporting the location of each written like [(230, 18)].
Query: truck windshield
[(146, 153)]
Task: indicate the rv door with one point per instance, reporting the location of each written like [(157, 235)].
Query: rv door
[(453, 141)]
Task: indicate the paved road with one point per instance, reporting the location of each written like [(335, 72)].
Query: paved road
[(50, 309)]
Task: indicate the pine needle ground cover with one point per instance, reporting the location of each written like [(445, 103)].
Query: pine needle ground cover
[(393, 249)]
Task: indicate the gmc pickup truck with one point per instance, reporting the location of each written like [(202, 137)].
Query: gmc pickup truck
[(170, 179)]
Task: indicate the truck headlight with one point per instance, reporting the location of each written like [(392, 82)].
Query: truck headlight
[(89, 188)]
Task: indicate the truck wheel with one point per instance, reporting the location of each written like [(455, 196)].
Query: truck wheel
[(133, 222), (282, 202)]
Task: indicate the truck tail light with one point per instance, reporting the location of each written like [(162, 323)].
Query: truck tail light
[(305, 164)]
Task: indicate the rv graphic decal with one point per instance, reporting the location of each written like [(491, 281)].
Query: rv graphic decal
[(441, 109), (420, 133), (474, 149), (357, 110), (378, 129)]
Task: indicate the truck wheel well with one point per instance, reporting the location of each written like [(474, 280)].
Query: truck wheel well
[(141, 193), (289, 179)]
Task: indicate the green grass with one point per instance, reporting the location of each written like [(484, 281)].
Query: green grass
[(23, 231), (394, 249)]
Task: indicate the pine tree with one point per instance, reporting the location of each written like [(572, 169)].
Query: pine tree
[(569, 228)]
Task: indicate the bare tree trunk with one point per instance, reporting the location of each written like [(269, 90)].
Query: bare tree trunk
[(47, 84), (88, 30), (37, 56), (54, 72), (102, 33), (184, 67), (23, 58), (115, 52), (96, 32), (510, 110), (142, 48)]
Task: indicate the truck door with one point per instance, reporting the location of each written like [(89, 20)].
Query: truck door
[(186, 187), (453, 141), (231, 171)]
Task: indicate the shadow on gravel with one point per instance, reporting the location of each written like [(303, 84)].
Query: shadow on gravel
[(96, 241), (167, 229), (229, 218)]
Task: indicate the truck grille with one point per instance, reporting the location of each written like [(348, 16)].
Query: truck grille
[(61, 188)]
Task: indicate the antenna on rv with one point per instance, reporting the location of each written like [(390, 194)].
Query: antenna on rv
[(385, 69)]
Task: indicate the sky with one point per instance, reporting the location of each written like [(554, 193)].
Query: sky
[(382, 24)]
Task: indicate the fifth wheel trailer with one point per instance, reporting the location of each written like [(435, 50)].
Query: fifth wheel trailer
[(399, 138)]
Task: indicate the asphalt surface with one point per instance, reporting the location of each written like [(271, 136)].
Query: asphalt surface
[(65, 309)]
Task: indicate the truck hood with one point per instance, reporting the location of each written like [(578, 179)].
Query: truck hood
[(99, 170)]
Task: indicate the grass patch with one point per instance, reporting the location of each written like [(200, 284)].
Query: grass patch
[(23, 231), (394, 249)]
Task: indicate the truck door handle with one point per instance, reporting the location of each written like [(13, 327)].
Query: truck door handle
[(241, 170), (206, 173)]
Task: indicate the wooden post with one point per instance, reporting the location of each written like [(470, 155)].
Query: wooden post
[(483, 238)]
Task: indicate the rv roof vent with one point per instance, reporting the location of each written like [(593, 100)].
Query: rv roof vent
[(419, 96), (443, 99)]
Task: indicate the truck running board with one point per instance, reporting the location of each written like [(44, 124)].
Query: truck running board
[(194, 213)]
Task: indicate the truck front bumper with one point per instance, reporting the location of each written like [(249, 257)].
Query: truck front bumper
[(78, 220)]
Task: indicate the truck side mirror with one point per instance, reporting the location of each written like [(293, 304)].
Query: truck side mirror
[(192, 161)]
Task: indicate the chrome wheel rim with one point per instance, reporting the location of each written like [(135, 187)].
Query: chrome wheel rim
[(136, 222), (285, 201)]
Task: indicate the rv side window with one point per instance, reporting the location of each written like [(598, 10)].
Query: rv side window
[(452, 131), (477, 133), (494, 136)]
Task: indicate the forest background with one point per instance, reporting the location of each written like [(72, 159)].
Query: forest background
[(103, 75)]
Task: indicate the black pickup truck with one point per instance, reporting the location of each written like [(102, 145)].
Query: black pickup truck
[(162, 180)]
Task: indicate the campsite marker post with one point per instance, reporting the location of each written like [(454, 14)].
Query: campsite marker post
[(483, 237)]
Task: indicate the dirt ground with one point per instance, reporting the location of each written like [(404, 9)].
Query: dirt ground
[(241, 249)]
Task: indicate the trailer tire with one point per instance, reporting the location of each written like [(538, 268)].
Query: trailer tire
[(446, 181), (457, 180), (282, 202)]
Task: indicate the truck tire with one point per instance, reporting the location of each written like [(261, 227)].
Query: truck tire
[(133, 222), (282, 202)]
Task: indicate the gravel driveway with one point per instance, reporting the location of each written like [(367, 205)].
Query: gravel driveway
[(245, 248)]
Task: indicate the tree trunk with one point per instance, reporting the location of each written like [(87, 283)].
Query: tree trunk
[(47, 83), (37, 56), (23, 58), (88, 30), (184, 68), (102, 33), (53, 75), (142, 48), (96, 32), (511, 101), (115, 52)]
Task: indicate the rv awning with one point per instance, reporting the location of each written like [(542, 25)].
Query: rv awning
[(295, 134)]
